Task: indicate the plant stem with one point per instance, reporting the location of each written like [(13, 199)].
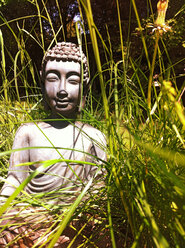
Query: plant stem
[(152, 70), (89, 15), (3, 64), (142, 36), (123, 56)]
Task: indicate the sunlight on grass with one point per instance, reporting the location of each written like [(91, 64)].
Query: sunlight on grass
[(142, 200)]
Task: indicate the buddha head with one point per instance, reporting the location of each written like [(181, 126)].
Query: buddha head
[(65, 78)]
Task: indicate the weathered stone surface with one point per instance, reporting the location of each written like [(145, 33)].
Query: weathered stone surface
[(67, 142)]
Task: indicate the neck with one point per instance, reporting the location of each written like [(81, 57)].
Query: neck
[(59, 121)]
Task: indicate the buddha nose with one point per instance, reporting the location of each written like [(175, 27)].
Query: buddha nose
[(62, 88), (62, 93)]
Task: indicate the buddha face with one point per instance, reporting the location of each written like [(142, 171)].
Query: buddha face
[(62, 87)]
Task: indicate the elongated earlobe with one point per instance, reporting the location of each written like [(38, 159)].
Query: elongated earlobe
[(82, 103), (44, 100), (83, 98)]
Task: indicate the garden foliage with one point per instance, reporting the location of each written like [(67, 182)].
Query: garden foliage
[(135, 98)]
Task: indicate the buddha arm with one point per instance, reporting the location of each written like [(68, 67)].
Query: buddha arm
[(17, 174)]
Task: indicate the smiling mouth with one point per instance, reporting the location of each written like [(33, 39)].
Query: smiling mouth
[(62, 103)]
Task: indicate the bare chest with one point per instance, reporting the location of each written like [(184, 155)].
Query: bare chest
[(51, 143)]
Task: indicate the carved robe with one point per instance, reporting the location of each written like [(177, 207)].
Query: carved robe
[(79, 142)]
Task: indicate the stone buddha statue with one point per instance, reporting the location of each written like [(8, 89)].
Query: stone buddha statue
[(64, 76)]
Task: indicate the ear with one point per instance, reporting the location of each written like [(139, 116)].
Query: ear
[(42, 88), (82, 103), (44, 100), (41, 77), (83, 97)]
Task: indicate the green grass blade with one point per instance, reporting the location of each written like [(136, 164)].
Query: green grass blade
[(67, 218)]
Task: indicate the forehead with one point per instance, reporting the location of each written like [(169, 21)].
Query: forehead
[(63, 66)]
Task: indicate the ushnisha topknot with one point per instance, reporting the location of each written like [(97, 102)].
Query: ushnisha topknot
[(66, 51)]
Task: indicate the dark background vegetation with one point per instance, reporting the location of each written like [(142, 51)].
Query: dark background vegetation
[(144, 197), (105, 16)]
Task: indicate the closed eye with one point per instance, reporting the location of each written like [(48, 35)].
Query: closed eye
[(52, 77), (73, 82), (74, 79)]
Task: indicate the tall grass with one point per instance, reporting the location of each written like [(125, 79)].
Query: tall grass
[(143, 201)]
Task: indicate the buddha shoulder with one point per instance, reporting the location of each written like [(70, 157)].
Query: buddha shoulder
[(30, 128), (94, 134)]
